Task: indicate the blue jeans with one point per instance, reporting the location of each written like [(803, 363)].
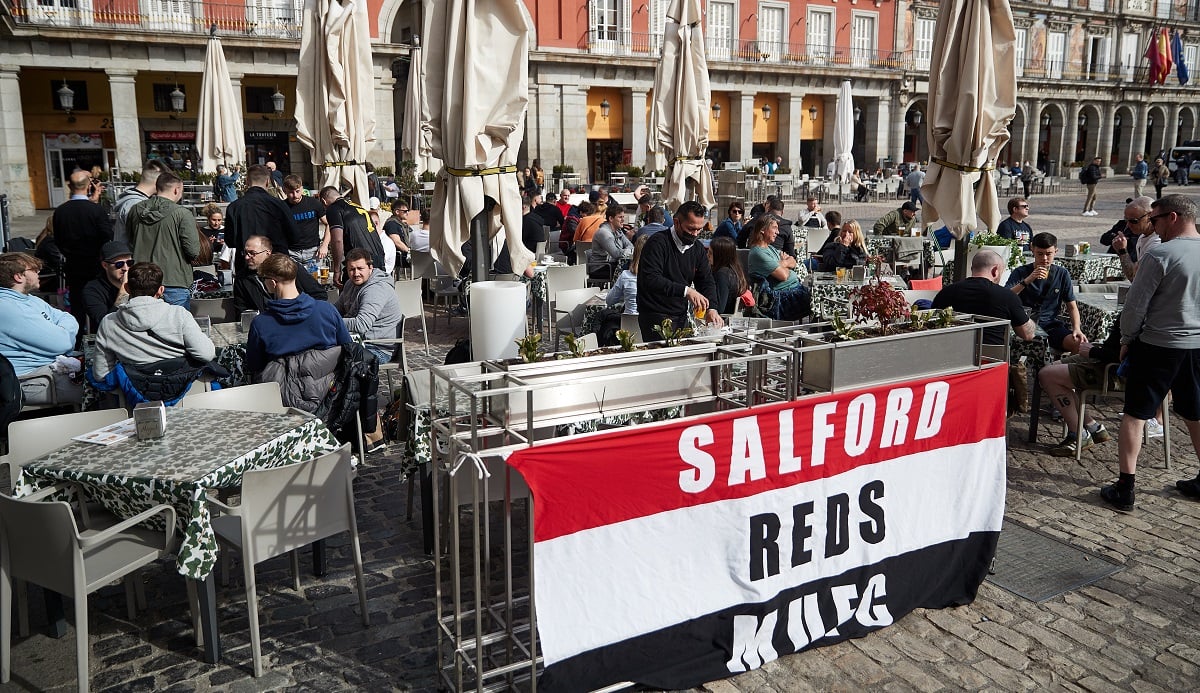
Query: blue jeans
[(178, 297)]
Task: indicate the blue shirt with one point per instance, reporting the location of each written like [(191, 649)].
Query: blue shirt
[(1044, 298), (32, 332)]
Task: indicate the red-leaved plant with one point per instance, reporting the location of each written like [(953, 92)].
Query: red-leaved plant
[(877, 300)]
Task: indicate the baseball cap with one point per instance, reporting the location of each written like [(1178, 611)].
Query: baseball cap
[(113, 250), (373, 203), (909, 206)]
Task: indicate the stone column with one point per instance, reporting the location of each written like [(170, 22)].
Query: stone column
[(635, 125), (1139, 139), (573, 110), (791, 115), (879, 138), (543, 134), (384, 151), (1033, 131), (14, 161), (1171, 134), (1108, 112), (126, 129), (1070, 137), (741, 127), (896, 143)]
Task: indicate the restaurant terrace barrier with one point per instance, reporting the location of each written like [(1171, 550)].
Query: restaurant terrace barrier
[(483, 533)]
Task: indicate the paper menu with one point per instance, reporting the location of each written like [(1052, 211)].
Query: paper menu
[(112, 433)]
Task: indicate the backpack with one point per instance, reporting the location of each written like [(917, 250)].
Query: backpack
[(459, 353), (1083, 176), (20, 245), (11, 397)]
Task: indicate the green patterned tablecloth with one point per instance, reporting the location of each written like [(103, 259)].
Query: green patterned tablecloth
[(1096, 314), (202, 450)]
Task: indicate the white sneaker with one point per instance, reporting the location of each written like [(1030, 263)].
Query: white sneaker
[(1085, 214), (1154, 429)]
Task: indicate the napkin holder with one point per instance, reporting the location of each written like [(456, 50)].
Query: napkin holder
[(150, 420), (1071, 250), (1122, 292), (859, 273)]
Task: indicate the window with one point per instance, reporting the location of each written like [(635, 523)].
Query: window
[(1056, 52), (771, 20), (820, 35), (60, 12), (76, 85), (1163, 9), (862, 40), (1096, 67), (275, 17), (258, 99), (1096, 5), (720, 30), (169, 15), (162, 98), (1019, 48), (1190, 55), (658, 24), (1129, 56), (610, 26), (923, 42)]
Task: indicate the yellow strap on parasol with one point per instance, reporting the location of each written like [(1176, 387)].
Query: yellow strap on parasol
[(962, 168), (469, 172)]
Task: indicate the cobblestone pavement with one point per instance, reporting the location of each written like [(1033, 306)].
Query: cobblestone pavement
[(1138, 629)]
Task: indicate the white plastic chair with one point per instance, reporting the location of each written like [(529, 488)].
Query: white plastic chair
[(261, 397), (411, 305), (630, 324), (217, 309), (30, 438), (568, 310), (286, 508), (41, 543), (561, 278)]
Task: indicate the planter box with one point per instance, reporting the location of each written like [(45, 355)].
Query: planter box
[(830, 366), (607, 383)]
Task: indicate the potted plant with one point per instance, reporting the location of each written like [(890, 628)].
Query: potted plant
[(428, 180), (1007, 248)]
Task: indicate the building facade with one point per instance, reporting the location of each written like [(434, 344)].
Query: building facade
[(123, 61)]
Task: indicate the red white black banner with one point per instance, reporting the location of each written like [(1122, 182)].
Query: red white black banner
[(679, 553)]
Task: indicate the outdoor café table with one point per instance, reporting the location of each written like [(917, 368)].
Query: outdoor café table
[(220, 293), (899, 250), (1091, 268), (593, 312), (202, 450), (1097, 313)]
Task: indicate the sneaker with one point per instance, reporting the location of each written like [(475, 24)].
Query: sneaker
[(1154, 429), (377, 446), (1086, 213), (1067, 447), (1190, 488), (1100, 435), (1117, 497)]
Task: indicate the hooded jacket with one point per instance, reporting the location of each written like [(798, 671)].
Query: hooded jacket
[(164, 233), (147, 329), (371, 310), (291, 325)]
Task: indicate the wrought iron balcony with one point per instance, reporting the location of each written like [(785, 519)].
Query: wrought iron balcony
[(251, 18)]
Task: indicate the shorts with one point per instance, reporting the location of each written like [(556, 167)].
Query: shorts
[(1087, 374), (1056, 332), (1155, 370)]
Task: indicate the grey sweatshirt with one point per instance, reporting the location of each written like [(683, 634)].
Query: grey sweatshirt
[(371, 310), (145, 330), (1163, 305)]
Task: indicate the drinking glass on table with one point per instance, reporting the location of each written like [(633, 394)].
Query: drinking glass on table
[(205, 324)]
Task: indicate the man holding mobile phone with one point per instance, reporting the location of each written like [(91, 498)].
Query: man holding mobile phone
[(81, 228)]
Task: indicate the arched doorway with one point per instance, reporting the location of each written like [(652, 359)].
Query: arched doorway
[(915, 146), (1187, 125), (1011, 153), (1156, 127), (1122, 128), (1050, 140), (1087, 145)]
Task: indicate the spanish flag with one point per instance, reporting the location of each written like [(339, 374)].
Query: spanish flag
[(1159, 55)]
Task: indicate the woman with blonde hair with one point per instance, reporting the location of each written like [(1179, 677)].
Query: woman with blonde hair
[(848, 250)]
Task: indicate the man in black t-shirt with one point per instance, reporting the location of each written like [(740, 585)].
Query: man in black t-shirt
[(981, 294), (309, 243), (350, 227)]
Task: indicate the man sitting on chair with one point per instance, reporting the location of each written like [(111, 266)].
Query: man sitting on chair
[(1045, 288), (249, 292), (368, 302), (33, 335), (146, 329), (980, 294), (1063, 381)]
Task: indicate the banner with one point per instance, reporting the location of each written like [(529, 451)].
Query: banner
[(674, 554)]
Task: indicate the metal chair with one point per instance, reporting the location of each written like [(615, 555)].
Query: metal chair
[(1106, 389), (286, 508), (445, 289), (41, 543)]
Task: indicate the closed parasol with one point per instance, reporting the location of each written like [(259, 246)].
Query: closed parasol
[(414, 141), (335, 97), (678, 127), (843, 135), (972, 99), (220, 133), (476, 79)]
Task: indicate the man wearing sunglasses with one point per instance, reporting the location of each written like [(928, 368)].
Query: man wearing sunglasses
[(1015, 227), (1137, 220), (103, 294)]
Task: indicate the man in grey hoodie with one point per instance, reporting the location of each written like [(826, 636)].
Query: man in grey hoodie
[(165, 233), (147, 329), (368, 302)]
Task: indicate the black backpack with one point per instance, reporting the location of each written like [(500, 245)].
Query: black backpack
[(459, 353), (11, 397)]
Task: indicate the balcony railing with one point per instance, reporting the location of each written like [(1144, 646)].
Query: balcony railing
[(630, 44), (261, 18)]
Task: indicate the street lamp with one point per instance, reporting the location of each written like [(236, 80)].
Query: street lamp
[(1082, 120), (605, 107), (1045, 120), (1117, 121), (716, 109), (812, 113), (66, 99), (766, 111), (916, 118), (277, 101), (178, 99), (857, 114)]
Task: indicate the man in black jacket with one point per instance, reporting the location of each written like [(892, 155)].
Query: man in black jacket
[(102, 294), (249, 293), (674, 277), (1090, 176), (258, 213), (81, 228)]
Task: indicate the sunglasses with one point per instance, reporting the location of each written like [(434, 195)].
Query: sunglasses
[(1138, 219), (1023, 206), (1156, 217), (255, 253), (121, 264)]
